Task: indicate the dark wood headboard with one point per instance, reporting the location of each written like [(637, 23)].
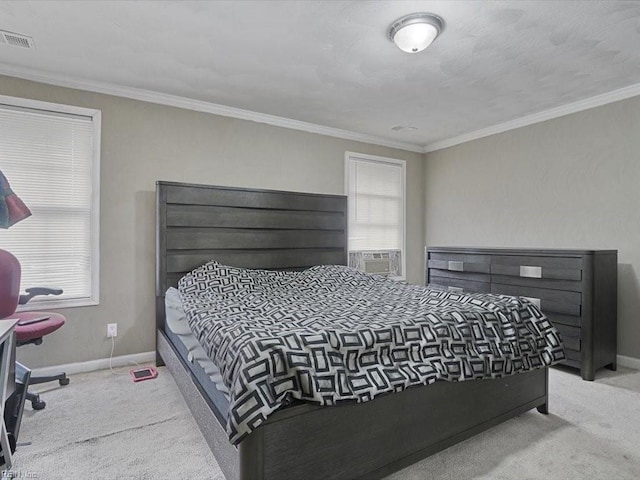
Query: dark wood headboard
[(249, 228)]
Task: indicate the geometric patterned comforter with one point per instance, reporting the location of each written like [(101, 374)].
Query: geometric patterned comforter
[(331, 334)]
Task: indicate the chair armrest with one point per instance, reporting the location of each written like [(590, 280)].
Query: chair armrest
[(35, 291)]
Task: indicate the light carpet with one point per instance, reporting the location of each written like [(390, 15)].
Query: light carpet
[(105, 426)]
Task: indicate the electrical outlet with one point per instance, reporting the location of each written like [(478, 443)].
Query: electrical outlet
[(112, 330)]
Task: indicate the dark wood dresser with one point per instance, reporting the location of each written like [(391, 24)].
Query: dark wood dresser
[(575, 289)]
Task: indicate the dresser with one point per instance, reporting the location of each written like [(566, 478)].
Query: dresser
[(575, 289)]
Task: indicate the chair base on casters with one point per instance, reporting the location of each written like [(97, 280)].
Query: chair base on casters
[(34, 398), (36, 403)]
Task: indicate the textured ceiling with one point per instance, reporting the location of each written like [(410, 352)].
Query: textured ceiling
[(330, 62)]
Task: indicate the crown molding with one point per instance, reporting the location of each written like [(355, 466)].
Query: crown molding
[(580, 105), (201, 106), (225, 111)]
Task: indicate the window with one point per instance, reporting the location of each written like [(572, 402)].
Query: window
[(51, 156), (376, 195)]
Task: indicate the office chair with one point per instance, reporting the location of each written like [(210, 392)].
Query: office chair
[(31, 326)]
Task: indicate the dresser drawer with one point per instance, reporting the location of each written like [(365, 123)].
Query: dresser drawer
[(570, 336), (459, 262), (573, 358), (571, 285), (549, 268), (560, 319), (558, 301), (458, 285), (469, 276)]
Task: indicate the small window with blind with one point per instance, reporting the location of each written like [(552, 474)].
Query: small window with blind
[(50, 155), (376, 197)]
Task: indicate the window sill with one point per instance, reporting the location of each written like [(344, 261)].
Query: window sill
[(35, 305), (398, 279)]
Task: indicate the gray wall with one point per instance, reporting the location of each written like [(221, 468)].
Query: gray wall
[(571, 182), (144, 142)]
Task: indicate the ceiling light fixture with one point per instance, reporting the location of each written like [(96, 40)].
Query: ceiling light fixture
[(415, 32)]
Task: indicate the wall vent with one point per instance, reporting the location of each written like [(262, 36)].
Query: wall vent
[(16, 39)]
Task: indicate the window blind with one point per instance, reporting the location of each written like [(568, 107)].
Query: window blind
[(48, 159), (376, 204)]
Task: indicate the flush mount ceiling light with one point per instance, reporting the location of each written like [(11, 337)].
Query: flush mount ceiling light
[(413, 33)]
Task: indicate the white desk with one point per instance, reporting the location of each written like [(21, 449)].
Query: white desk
[(7, 345)]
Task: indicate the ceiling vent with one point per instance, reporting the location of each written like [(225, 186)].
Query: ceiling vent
[(400, 128), (16, 39)]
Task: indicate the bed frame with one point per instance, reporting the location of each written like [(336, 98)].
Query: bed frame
[(286, 230)]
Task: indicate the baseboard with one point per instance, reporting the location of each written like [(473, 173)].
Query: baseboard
[(100, 364), (629, 362), (149, 357)]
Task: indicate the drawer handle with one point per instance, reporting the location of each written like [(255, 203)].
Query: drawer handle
[(530, 272), (535, 301), (456, 289), (455, 266)]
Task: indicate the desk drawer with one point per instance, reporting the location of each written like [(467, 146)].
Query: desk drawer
[(557, 301)]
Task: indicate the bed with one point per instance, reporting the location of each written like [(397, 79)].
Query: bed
[(277, 230)]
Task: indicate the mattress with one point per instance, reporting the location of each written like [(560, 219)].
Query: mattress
[(187, 345)]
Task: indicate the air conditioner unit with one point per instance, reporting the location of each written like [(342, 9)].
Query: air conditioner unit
[(378, 263)]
